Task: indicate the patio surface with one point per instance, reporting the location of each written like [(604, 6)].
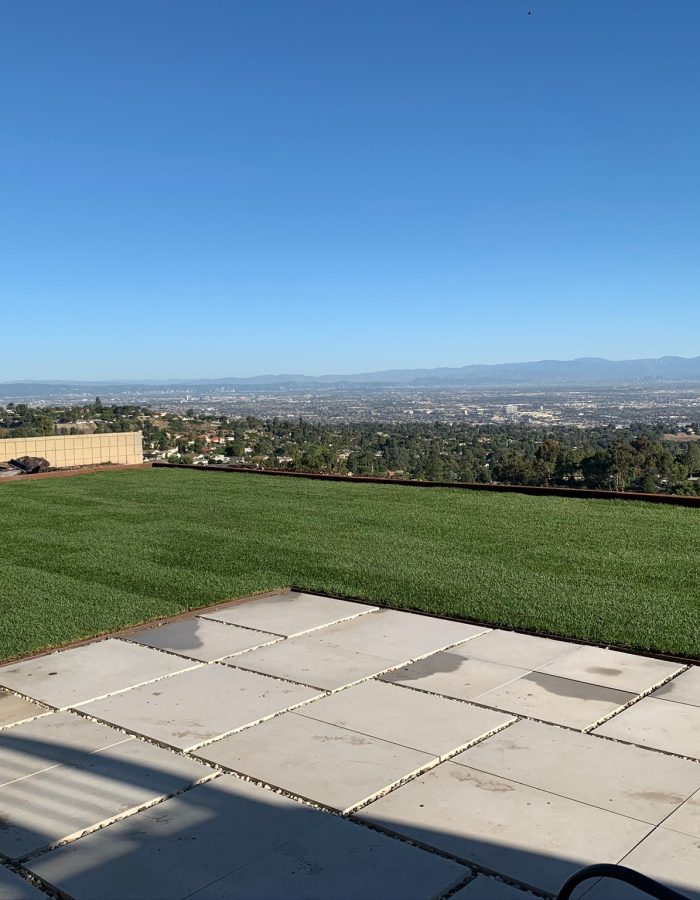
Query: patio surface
[(300, 746)]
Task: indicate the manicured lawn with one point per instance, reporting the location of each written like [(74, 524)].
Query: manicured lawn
[(84, 555)]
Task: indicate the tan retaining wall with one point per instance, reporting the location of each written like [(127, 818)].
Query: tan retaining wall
[(125, 447)]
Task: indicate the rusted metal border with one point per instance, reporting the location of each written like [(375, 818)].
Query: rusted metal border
[(573, 493)]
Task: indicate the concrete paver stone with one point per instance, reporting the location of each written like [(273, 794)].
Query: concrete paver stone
[(202, 639), (63, 801), (12, 887), (313, 663), (531, 836), (610, 668), (61, 738), (69, 677), (323, 763), (560, 701), (687, 817), (683, 689), (338, 860), (400, 636), (452, 675), (413, 719), (290, 614), (188, 709), (669, 857), (526, 651), (15, 709), (179, 846), (673, 727), (617, 777)]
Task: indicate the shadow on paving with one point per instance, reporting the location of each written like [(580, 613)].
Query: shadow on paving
[(228, 839)]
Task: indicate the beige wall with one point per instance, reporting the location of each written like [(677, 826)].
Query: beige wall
[(78, 450)]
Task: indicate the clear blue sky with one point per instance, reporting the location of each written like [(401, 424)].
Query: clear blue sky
[(196, 188)]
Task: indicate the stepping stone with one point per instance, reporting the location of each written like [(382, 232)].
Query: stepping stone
[(400, 636), (179, 846), (673, 727), (513, 649), (318, 762), (560, 701), (531, 836), (12, 887), (617, 777), (61, 738), (453, 675), (610, 668), (483, 888), (290, 614), (338, 860), (687, 817), (15, 709), (60, 803), (318, 664), (202, 639), (669, 857), (413, 719), (70, 677), (683, 689), (194, 707)]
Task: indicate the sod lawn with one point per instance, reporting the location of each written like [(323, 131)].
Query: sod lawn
[(92, 553)]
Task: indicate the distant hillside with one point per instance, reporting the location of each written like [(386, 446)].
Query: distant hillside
[(545, 373)]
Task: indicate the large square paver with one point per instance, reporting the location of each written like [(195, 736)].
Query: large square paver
[(561, 701), (179, 846), (70, 677), (290, 614), (453, 675), (61, 802), (424, 722), (12, 887), (687, 817), (610, 668), (401, 636), (532, 836), (673, 727), (307, 661), (683, 689), (61, 738), (194, 707), (669, 857), (329, 765), (202, 639), (339, 860), (526, 651), (627, 780), (15, 709)]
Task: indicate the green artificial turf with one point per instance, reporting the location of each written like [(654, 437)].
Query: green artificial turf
[(88, 554)]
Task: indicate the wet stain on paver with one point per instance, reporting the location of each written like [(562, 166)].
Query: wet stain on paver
[(603, 670), (657, 796), (578, 690), (439, 664)]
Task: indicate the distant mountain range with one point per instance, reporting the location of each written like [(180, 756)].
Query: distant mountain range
[(545, 373)]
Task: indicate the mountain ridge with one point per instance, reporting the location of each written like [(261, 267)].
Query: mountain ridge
[(548, 372)]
